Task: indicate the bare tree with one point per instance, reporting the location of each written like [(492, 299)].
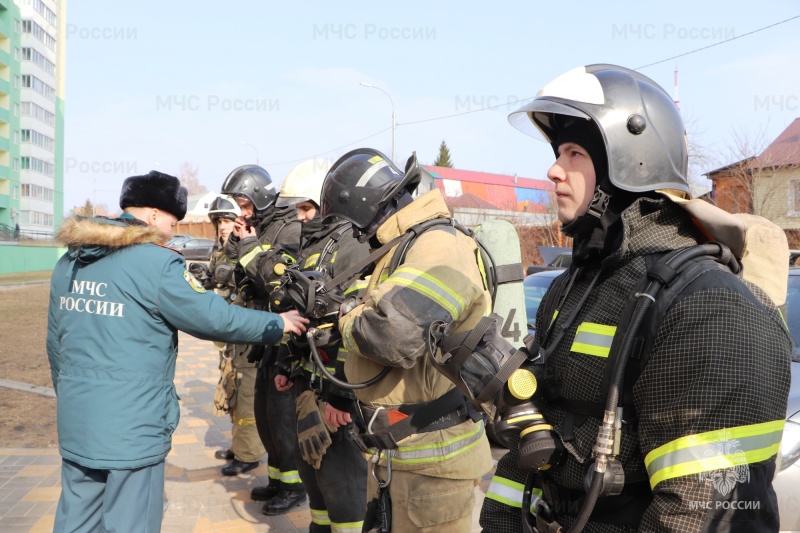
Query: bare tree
[(754, 178), (188, 176)]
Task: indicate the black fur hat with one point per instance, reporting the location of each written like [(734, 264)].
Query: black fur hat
[(154, 189)]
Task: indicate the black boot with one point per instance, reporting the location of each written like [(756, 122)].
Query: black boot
[(227, 455), (283, 502), (238, 467), (262, 494)]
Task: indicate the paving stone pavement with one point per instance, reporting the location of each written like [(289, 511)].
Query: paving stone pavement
[(199, 498)]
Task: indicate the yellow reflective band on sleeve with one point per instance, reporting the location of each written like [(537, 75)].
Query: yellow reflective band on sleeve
[(433, 453), (357, 286), (347, 338), (510, 493), (311, 261), (593, 339), (430, 287), (244, 421), (723, 449), (245, 260), (347, 527), (320, 516)]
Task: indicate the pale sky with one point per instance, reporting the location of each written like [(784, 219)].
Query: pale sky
[(150, 85)]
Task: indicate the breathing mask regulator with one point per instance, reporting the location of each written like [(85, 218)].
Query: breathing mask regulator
[(306, 291), (499, 379)]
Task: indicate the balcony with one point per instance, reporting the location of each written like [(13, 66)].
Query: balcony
[(4, 144), (4, 202), (5, 86)]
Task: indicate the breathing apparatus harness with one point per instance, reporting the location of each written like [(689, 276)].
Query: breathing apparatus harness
[(667, 275)]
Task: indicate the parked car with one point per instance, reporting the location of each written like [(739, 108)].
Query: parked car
[(535, 287), (554, 257), (177, 239), (195, 248)]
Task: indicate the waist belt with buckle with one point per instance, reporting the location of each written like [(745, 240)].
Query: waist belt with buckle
[(386, 426)]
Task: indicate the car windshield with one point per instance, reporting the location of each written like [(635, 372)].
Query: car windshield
[(793, 312), (535, 288)]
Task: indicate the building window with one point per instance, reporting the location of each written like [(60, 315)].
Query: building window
[(29, 109), (16, 137), (16, 192), (39, 139), (29, 26), (32, 82), (16, 109), (16, 53), (794, 198), (16, 82), (16, 164), (37, 191), (31, 54), (17, 25), (37, 165)]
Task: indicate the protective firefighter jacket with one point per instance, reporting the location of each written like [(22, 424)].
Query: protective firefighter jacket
[(280, 228), (711, 401), (117, 301), (438, 280)]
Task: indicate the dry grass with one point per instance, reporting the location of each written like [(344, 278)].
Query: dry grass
[(19, 277), (27, 420)]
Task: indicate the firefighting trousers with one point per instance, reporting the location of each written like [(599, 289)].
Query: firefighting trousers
[(276, 421), (425, 504), (337, 492), (245, 442)]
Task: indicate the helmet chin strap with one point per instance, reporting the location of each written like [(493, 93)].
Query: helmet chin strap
[(590, 231)]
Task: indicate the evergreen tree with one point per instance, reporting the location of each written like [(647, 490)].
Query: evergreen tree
[(87, 210), (444, 157)]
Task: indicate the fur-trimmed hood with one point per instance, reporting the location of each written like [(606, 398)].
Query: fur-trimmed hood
[(89, 239)]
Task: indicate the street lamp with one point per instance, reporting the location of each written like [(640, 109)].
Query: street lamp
[(394, 123), (253, 147)]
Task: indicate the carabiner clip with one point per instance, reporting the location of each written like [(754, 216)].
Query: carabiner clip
[(375, 458)]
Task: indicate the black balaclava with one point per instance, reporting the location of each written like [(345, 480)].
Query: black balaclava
[(598, 232), (397, 202)]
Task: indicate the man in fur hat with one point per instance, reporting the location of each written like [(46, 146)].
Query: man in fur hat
[(117, 300)]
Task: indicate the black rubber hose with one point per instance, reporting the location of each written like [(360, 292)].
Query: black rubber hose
[(333, 379), (612, 401)]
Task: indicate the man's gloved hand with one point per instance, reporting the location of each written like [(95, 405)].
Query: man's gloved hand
[(313, 434), (202, 274)]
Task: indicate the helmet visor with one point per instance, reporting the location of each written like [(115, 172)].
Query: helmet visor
[(538, 119), (288, 201)]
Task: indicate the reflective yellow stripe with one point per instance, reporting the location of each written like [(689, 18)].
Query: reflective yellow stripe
[(347, 338), (291, 477), (347, 527), (509, 493), (311, 261), (245, 260), (427, 285), (244, 421), (593, 339), (273, 473), (320, 516), (357, 286), (714, 450), (440, 451)]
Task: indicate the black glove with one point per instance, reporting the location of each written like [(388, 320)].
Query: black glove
[(202, 274), (223, 274)]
